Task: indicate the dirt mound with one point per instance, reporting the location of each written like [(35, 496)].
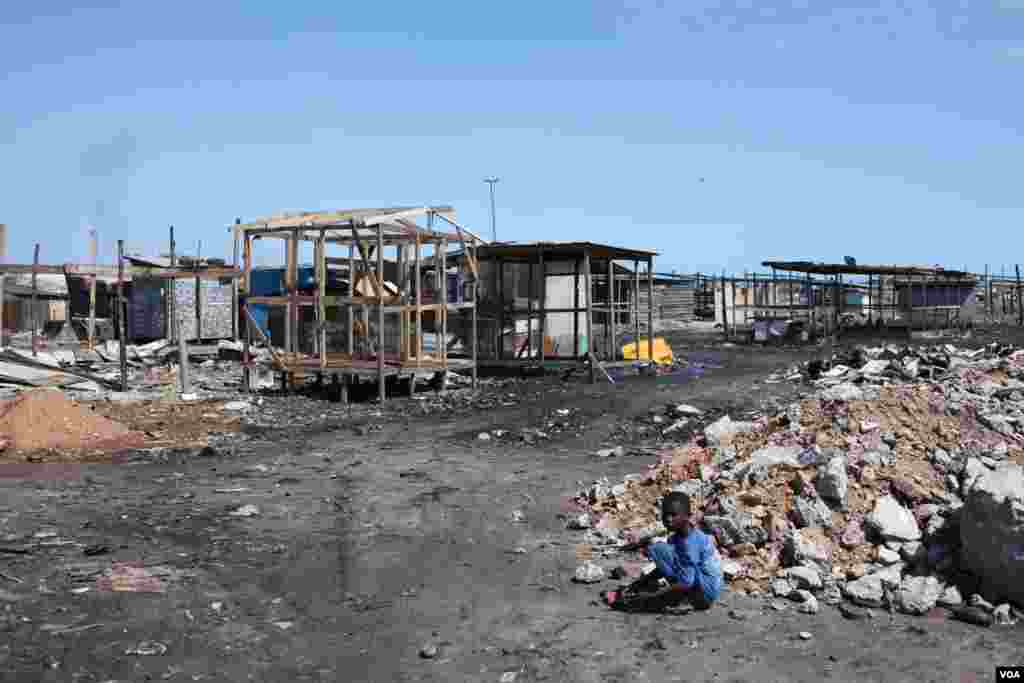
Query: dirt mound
[(45, 419)]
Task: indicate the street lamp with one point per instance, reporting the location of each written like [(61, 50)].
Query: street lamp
[(494, 230)]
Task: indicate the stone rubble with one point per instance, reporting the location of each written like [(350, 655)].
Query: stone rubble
[(896, 483)]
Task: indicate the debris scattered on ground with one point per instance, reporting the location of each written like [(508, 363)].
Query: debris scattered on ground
[(890, 485), (248, 510)]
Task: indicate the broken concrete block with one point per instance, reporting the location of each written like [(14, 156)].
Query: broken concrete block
[(804, 577), (589, 572), (919, 594), (892, 521), (832, 481)]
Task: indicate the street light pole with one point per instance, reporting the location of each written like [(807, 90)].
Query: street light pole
[(494, 230)]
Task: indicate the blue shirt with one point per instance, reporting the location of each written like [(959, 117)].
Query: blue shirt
[(698, 563)]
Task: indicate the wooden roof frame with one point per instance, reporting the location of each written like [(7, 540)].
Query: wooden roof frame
[(810, 267)]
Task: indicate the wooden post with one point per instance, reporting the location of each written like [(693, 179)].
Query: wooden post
[(443, 265), (291, 329), (732, 323), (725, 321), (173, 329), (650, 308), (3, 258), (501, 309), (529, 310), (234, 284), (246, 374), (1020, 308), (590, 313), (35, 302), (476, 291), (322, 295), (636, 308), (350, 307), (92, 291), (122, 337), (612, 356), (419, 303), (576, 309), (380, 313), (543, 304), (810, 307)]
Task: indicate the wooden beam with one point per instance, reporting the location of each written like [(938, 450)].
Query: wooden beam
[(461, 228), (121, 322), (419, 302), (612, 356), (35, 303), (321, 296), (543, 303), (368, 272), (351, 294), (590, 312), (476, 339), (262, 336), (650, 309), (576, 305), (444, 298)]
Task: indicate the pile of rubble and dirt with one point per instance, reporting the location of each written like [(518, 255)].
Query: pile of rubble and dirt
[(45, 419), (896, 483)]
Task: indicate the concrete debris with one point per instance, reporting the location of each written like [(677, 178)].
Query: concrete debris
[(866, 591), (580, 521), (950, 597), (890, 520), (589, 572), (248, 510), (919, 594), (832, 481), (804, 577), (856, 484)]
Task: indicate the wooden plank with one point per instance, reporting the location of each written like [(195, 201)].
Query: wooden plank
[(234, 286), (462, 228), (261, 335), (368, 272)]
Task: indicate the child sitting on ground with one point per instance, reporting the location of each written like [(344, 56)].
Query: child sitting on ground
[(688, 567)]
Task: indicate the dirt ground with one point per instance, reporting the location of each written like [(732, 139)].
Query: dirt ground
[(368, 546)]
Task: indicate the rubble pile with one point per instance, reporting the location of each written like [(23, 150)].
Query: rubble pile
[(898, 482)]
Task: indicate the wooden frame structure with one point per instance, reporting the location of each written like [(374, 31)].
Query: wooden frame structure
[(817, 295), (367, 233), (569, 270), (122, 272)]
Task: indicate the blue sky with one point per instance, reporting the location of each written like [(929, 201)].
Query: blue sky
[(721, 134)]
